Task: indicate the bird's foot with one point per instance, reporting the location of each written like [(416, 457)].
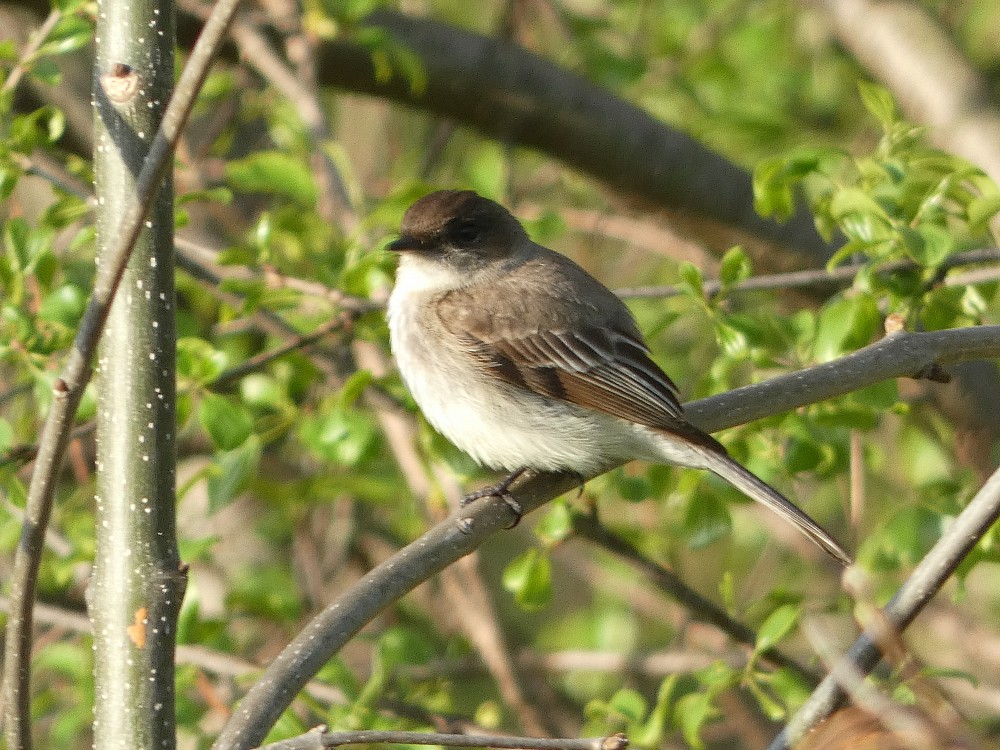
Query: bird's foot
[(502, 490)]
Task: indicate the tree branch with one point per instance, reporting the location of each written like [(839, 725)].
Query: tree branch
[(820, 277), (319, 740), (522, 99), (137, 583), (922, 585), (900, 355)]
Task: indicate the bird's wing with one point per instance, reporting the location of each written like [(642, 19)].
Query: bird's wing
[(607, 369)]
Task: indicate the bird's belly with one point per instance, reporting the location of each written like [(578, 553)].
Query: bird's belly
[(500, 425)]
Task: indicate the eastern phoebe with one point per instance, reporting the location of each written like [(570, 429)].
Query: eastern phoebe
[(525, 361)]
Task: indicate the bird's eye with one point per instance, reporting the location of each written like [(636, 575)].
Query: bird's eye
[(465, 232)]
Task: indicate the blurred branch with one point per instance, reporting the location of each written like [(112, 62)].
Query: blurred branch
[(258, 53), (905, 722), (522, 99), (27, 55), (474, 608), (923, 584), (697, 606), (210, 660), (68, 388), (202, 261), (900, 355)]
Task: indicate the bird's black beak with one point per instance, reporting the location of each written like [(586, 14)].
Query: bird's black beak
[(404, 244)]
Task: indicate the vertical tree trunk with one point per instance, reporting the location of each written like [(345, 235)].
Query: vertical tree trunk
[(138, 583)]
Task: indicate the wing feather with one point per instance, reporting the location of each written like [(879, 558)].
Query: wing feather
[(594, 368)]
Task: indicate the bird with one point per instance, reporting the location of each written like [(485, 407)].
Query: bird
[(525, 361)]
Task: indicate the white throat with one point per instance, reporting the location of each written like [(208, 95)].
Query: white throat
[(419, 275)]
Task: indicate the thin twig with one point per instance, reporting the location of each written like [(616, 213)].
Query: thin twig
[(41, 165), (23, 454), (214, 662), (294, 343), (925, 581), (471, 603), (320, 740), (200, 259), (30, 50), (840, 276), (68, 389)]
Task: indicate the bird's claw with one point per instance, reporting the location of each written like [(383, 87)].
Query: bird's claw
[(501, 490)]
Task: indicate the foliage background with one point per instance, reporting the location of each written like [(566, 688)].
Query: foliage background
[(298, 475)]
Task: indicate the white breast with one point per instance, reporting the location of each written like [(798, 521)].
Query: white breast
[(499, 425)]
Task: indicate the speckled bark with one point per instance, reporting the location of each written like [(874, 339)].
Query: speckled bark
[(137, 585)]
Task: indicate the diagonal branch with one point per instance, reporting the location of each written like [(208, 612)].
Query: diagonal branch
[(922, 585), (899, 355)]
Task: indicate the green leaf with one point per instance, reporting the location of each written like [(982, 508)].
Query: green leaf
[(630, 704), (529, 578), (486, 169), (259, 389), (353, 388), (340, 435), (735, 267), (732, 341), (879, 102), (199, 361), (231, 472), (727, 591), (209, 195), (651, 733), (70, 34), (880, 396), (928, 245), (65, 305), (227, 423), (6, 435), (274, 173), (802, 455), (792, 688), (845, 324), (778, 625), (556, 525), (981, 209), (635, 489), (693, 711), (854, 200), (772, 193), (707, 520), (772, 708), (401, 645), (692, 279)]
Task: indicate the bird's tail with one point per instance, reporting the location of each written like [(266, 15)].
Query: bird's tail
[(756, 488)]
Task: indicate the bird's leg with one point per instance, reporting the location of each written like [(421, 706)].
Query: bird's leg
[(502, 490)]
